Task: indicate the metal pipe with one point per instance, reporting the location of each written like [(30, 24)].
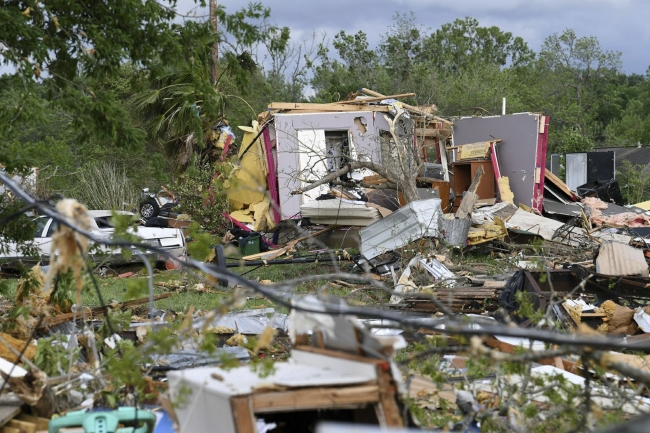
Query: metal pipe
[(280, 262)]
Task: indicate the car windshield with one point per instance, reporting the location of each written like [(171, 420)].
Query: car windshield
[(104, 222), (51, 229), (40, 225)]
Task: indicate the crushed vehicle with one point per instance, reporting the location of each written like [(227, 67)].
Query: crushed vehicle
[(172, 240), (157, 205)]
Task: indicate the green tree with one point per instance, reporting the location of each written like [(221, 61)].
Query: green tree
[(463, 44), (572, 73), (359, 67), (182, 109), (72, 47)]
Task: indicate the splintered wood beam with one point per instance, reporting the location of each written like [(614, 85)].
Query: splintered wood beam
[(315, 398), (467, 204), (378, 98), (408, 107), (243, 414)]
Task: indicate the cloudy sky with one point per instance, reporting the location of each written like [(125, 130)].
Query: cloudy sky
[(619, 25)]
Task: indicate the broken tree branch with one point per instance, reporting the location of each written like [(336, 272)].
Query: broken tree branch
[(340, 172)]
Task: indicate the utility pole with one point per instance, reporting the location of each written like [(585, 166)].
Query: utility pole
[(215, 46)]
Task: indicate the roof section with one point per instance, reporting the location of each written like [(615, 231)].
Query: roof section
[(635, 155)]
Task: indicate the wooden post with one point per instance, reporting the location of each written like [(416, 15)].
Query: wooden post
[(242, 409)]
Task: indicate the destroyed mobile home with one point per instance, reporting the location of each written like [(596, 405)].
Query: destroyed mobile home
[(550, 333)]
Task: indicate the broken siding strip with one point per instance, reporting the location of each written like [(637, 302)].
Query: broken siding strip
[(540, 163), (271, 177)]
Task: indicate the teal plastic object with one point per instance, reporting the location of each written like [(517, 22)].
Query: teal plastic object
[(106, 422)]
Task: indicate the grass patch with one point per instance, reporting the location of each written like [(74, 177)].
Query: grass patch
[(116, 289)]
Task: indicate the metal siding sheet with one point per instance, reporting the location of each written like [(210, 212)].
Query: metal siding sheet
[(576, 170)]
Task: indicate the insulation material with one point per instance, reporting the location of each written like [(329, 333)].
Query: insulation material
[(620, 319), (261, 214), (248, 180), (243, 216), (625, 219), (618, 259), (484, 233), (505, 191), (247, 186), (340, 212)]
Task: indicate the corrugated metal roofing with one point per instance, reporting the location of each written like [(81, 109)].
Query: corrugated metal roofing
[(619, 259)]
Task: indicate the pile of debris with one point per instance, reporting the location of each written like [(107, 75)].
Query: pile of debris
[(547, 321)]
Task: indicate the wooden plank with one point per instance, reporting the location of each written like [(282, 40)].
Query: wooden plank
[(477, 150), (41, 423), (378, 98), (242, 410), (509, 348), (389, 407), (326, 107), (337, 354), (23, 426), (266, 255), (9, 407), (7, 429), (429, 132), (315, 398), (548, 175)]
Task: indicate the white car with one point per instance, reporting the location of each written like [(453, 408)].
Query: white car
[(171, 240)]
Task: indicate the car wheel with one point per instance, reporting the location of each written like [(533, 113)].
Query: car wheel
[(149, 209)]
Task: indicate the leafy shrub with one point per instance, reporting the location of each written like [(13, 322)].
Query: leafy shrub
[(202, 197)]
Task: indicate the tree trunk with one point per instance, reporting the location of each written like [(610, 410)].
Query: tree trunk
[(400, 156), (215, 46)]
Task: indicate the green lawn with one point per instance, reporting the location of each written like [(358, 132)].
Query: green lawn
[(117, 289)]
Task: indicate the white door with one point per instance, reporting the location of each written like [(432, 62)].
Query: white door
[(312, 158)]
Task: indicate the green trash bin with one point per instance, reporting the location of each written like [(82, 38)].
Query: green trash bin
[(250, 245)]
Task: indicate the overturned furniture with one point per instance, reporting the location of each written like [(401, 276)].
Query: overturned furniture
[(313, 384)]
